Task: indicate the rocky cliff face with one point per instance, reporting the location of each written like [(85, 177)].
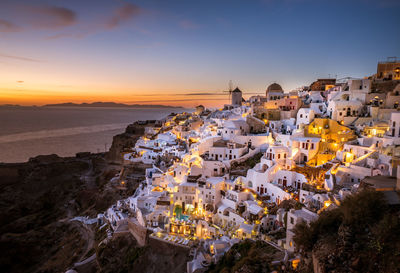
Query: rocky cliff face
[(124, 141), (123, 254), (34, 196), (37, 199)]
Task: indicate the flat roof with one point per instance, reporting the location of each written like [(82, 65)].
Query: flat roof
[(381, 182), (305, 214)]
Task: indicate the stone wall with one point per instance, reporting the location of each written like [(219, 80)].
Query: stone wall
[(138, 231)]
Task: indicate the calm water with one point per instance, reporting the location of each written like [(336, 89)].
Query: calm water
[(27, 132)]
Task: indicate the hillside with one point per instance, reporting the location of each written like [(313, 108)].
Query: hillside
[(361, 235), (248, 257)]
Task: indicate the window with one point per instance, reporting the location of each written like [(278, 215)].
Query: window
[(292, 220)]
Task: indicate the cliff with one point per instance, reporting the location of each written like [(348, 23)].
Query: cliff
[(124, 141), (37, 200), (40, 197), (361, 235), (123, 254), (249, 257)]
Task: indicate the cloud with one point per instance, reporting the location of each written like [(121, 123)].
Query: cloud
[(50, 16), (216, 93), (204, 94), (59, 19), (19, 58), (163, 101), (187, 24), (123, 14), (7, 26), (20, 81), (119, 16)]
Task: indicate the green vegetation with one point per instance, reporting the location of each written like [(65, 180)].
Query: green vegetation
[(248, 163), (252, 161), (361, 235), (286, 205)]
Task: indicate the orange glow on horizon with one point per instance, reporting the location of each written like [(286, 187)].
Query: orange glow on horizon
[(27, 97), (41, 83)]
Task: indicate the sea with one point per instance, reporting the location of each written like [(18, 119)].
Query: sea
[(26, 132)]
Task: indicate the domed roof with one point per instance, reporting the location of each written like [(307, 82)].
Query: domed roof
[(274, 88), (237, 90)]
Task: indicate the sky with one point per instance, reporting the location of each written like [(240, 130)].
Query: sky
[(185, 52)]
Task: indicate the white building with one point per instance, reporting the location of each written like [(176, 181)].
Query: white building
[(304, 116), (294, 217), (394, 130)]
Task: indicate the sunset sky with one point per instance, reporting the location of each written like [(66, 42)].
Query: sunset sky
[(184, 52)]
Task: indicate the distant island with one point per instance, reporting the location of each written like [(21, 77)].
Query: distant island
[(110, 104), (100, 104)]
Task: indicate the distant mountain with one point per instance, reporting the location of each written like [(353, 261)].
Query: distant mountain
[(110, 104), (12, 106)]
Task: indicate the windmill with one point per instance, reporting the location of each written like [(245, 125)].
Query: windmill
[(230, 90)]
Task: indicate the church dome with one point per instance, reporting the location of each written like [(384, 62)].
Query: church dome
[(274, 88)]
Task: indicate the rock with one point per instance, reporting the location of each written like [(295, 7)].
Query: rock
[(124, 141)]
